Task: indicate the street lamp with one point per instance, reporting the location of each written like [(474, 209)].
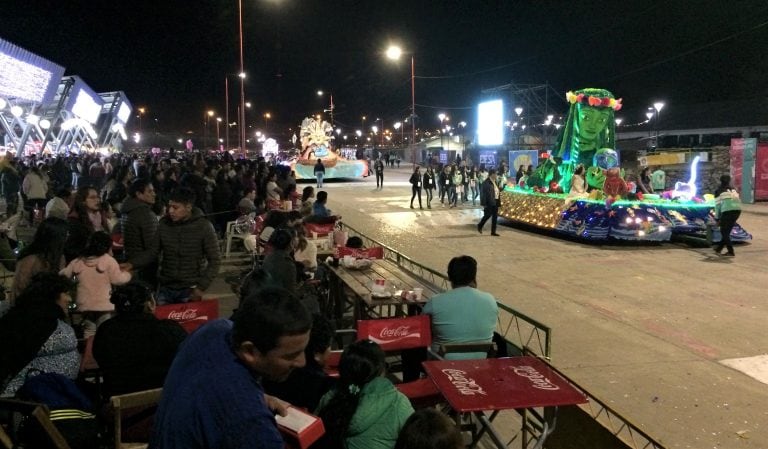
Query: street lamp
[(658, 107), (397, 126), (442, 118), (218, 137), (267, 116), (394, 52), (141, 113), (208, 115), (241, 117), (462, 125)]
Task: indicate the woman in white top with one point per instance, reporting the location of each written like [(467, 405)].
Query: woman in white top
[(35, 189)]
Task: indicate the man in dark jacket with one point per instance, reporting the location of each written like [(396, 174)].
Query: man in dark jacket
[(139, 227), (189, 251), (490, 202)]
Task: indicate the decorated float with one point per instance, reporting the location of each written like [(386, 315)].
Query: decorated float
[(317, 143), (581, 191)]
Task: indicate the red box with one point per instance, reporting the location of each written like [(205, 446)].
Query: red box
[(300, 429), (190, 315)]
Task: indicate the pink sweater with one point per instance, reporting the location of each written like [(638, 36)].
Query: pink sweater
[(95, 277)]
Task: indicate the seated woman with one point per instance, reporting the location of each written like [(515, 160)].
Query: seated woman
[(306, 385), (280, 263), (134, 349), (578, 184), (306, 251), (96, 272), (44, 254), (33, 334), (307, 201), (364, 411)]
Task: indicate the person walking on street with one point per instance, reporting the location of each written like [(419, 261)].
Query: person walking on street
[(416, 185), (319, 173), (379, 167), (429, 184), (489, 199), (727, 211)]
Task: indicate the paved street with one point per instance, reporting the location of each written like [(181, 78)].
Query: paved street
[(644, 328)]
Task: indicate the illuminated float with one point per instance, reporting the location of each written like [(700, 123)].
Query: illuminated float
[(610, 209), (316, 143)]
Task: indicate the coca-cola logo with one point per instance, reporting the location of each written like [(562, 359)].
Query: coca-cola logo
[(464, 385), (400, 331), (537, 379), (186, 315)]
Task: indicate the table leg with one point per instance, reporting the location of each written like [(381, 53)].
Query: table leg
[(488, 426)]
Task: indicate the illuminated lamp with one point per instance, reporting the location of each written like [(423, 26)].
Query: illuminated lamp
[(33, 119), (3, 104), (45, 123), (17, 111)]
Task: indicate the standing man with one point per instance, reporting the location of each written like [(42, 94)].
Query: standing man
[(212, 397), (489, 199), (319, 173), (189, 250), (140, 237), (379, 167)]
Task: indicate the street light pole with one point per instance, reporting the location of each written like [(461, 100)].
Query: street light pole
[(413, 111), (218, 137), (241, 115), (226, 112)]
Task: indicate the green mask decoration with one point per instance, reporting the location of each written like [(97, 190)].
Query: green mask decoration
[(590, 125)]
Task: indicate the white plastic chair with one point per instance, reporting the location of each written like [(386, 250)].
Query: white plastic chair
[(234, 231)]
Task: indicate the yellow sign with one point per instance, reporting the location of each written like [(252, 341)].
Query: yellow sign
[(662, 159)]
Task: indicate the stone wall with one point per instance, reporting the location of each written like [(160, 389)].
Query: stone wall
[(709, 172)]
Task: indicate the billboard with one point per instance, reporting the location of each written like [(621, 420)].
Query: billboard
[(524, 158), (490, 123), (26, 76)]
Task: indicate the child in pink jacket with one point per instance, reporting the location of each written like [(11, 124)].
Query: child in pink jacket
[(95, 271)]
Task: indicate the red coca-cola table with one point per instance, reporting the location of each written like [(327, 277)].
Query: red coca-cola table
[(492, 385)]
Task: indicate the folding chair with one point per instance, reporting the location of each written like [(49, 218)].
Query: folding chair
[(398, 334), (233, 231), (18, 410), (140, 408)]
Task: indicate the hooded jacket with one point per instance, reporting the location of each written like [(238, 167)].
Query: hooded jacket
[(381, 413), (139, 233), (189, 252)]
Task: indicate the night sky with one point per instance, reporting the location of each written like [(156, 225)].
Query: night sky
[(171, 56)]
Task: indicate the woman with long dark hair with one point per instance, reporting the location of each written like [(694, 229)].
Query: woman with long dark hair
[(85, 218), (44, 254), (34, 335), (364, 411)]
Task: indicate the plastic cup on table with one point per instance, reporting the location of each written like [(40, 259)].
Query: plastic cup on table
[(417, 293)]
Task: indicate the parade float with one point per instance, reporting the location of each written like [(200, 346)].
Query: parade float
[(608, 207), (317, 143)]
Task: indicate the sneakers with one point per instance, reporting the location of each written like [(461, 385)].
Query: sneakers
[(729, 255), (495, 234), (717, 251), (479, 229)]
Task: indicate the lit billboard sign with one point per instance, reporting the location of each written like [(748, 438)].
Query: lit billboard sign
[(490, 123), (26, 76), (124, 113), (84, 102)]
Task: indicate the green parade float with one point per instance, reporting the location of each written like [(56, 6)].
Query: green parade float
[(580, 189)]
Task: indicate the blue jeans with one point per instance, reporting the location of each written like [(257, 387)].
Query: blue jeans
[(167, 295), (319, 176)]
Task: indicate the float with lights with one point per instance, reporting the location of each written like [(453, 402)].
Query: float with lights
[(608, 206), (317, 143)]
